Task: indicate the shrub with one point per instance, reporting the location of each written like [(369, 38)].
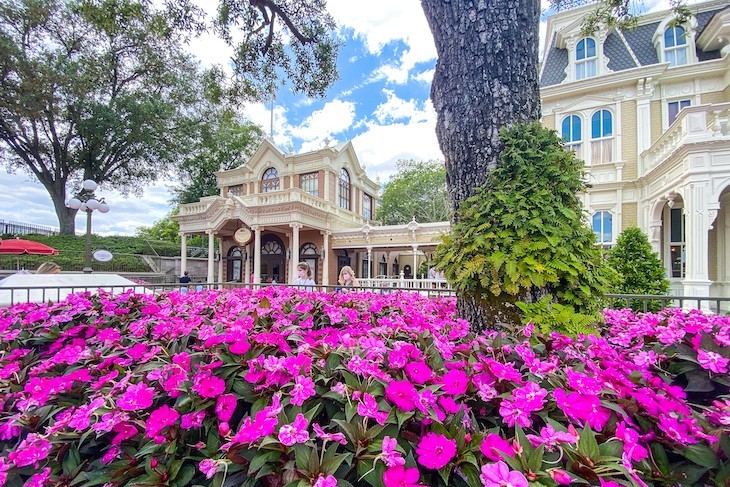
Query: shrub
[(522, 235), (639, 267), (278, 387)]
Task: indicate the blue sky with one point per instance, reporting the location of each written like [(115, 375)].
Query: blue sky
[(381, 103)]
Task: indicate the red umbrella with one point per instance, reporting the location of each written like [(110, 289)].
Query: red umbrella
[(18, 246)]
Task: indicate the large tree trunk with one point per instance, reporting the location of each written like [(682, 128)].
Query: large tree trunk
[(486, 78)]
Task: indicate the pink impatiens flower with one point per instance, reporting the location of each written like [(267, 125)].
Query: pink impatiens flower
[(493, 444), (403, 394), (160, 419), (455, 382), (499, 475), (290, 434), (225, 406), (399, 476), (136, 397), (208, 386), (418, 372), (328, 481), (712, 361), (368, 408), (435, 451), (389, 455), (303, 389), (30, 451), (209, 467), (192, 420)]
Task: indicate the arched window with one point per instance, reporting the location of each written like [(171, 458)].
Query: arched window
[(572, 134), (603, 227), (675, 46), (383, 267), (585, 58), (601, 137), (272, 247), (270, 180), (344, 189)]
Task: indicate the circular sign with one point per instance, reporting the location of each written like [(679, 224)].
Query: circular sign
[(103, 255), (242, 236)]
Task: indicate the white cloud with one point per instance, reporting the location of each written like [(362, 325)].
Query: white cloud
[(335, 117), (381, 145), (379, 22), (396, 108)]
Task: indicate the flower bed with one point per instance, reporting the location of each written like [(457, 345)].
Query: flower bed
[(279, 387)]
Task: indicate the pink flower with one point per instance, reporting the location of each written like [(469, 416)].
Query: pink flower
[(124, 431), (712, 361), (403, 394), (399, 476), (630, 438), (560, 476), (493, 444), (368, 408), (389, 455), (418, 372), (209, 467), (512, 413), (136, 397), (499, 475), (160, 419), (550, 438), (39, 479), (455, 382), (111, 454), (338, 437), (192, 420), (290, 434), (208, 386), (435, 451), (30, 451), (225, 406), (583, 408), (328, 481), (303, 389)]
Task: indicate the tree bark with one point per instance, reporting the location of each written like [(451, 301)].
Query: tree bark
[(486, 78)]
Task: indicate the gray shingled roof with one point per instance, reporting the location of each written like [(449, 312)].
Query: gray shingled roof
[(617, 53), (702, 20), (555, 63), (640, 40)]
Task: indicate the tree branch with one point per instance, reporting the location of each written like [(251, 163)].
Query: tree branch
[(275, 9)]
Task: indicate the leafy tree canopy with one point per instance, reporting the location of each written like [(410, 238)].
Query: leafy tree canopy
[(225, 141), (417, 190)]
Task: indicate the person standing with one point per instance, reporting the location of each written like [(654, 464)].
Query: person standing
[(304, 277), (347, 278)]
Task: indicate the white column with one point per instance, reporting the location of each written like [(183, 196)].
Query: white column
[(183, 253), (257, 255), (294, 251), (220, 260), (697, 226), (247, 265), (370, 262), (415, 261), (325, 258), (211, 255)]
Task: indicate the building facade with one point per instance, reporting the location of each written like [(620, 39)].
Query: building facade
[(648, 110), (279, 209)]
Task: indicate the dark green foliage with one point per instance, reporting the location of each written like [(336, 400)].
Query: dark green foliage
[(639, 267), (522, 236), (71, 252), (549, 317), (417, 191)]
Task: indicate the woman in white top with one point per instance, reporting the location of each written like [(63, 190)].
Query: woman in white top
[(304, 277)]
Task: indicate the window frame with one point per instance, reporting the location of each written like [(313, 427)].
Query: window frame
[(573, 144), (309, 177), (587, 60), (606, 141), (367, 206), (269, 184), (676, 46), (344, 190), (601, 234), (681, 104)]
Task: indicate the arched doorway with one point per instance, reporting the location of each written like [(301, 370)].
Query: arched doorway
[(272, 259), (308, 253), (235, 262), (407, 272)]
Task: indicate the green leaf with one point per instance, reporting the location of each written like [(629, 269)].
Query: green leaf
[(186, 474), (259, 460), (445, 472), (701, 455), (588, 446), (331, 465), (534, 460)]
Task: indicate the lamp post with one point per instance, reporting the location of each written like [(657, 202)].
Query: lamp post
[(86, 201)]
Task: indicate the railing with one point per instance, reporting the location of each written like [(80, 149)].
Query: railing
[(646, 301), (17, 228), (693, 124)]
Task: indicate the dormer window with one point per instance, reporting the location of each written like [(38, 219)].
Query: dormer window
[(586, 59), (675, 46), (270, 180)]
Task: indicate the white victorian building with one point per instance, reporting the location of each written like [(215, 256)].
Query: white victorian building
[(278, 209)]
